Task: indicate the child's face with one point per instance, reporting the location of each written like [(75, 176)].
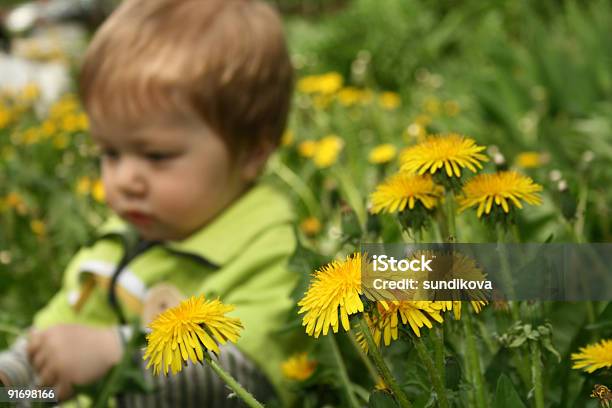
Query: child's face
[(167, 179)]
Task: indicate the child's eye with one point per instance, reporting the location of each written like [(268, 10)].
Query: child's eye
[(109, 153), (158, 156)]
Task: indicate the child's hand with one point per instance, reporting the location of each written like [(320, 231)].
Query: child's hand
[(70, 354), (4, 380)]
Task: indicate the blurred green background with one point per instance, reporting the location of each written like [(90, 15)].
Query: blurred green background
[(518, 76)]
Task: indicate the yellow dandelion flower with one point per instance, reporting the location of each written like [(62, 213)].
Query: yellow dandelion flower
[(16, 202), (334, 290), (448, 266), (186, 331), (310, 226), (83, 122), (528, 160), (60, 141), (455, 306), (389, 100), (360, 337), (327, 151), (298, 367), (414, 313), (451, 152), (403, 189), (30, 93), (307, 148), (83, 185), (14, 199), (68, 104), (477, 305), (38, 227), (383, 153), (287, 138), (323, 84), (48, 128), (6, 117), (350, 96), (594, 356), (31, 135), (97, 191), (500, 188), (70, 123), (385, 323)]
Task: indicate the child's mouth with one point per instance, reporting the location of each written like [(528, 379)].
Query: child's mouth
[(138, 218)]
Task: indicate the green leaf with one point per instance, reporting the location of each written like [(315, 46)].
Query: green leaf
[(352, 195), (505, 395), (548, 346), (518, 342)]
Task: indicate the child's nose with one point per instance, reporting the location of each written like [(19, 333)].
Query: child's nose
[(130, 178)]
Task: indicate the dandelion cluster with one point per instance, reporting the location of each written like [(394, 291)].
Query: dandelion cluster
[(323, 152), (86, 186), (350, 96), (325, 89)]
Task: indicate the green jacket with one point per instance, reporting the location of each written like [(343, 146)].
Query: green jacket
[(241, 257)]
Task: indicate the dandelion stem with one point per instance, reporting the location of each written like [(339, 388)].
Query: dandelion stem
[(583, 195), (474, 361), (536, 373), (437, 334), (450, 216), (439, 230), (434, 373), (505, 271), (344, 378), (380, 364), (578, 232), (242, 393)]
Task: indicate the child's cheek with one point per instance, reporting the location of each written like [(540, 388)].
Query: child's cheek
[(182, 197)]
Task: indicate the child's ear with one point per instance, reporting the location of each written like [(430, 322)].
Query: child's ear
[(255, 159)]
